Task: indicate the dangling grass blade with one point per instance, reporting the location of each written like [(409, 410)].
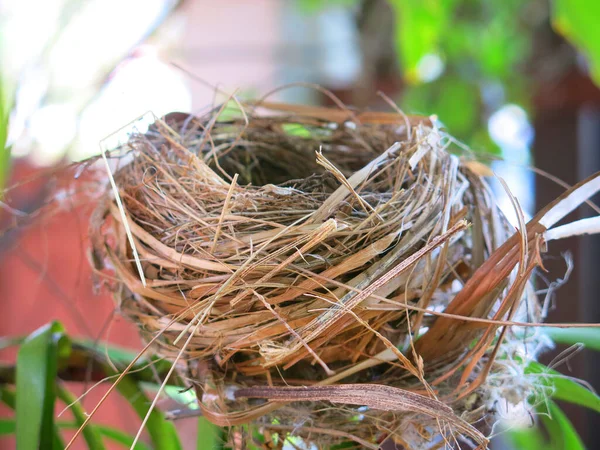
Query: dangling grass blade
[(210, 436), (37, 367), (590, 337), (564, 388), (90, 433), (560, 430), (162, 432)]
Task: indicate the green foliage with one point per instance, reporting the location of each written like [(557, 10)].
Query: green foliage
[(560, 430), (37, 367), (527, 438), (590, 337), (111, 434), (478, 46), (420, 25), (562, 435), (39, 360), (8, 427), (578, 21), (481, 46), (440, 98), (92, 436), (162, 432), (9, 399), (210, 436), (564, 388)]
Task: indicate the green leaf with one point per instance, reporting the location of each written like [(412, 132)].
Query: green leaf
[(452, 99), (162, 432), (419, 28), (120, 437), (560, 431), (526, 438), (564, 388), (90, 433), (7, 427), (562, 434), (9, 398), (112, 434), (37, 366), (578, 21), (210, 436), (590, 337)]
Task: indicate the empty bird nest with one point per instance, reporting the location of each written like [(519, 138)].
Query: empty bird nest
[(337, 275)]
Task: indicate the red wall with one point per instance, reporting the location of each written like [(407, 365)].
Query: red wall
[(45, 276)]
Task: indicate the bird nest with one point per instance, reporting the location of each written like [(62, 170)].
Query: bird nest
[(328, 273)]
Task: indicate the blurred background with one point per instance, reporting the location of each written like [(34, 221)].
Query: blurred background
[(511, 79)]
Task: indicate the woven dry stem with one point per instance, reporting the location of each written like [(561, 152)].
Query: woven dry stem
[(305, 256)]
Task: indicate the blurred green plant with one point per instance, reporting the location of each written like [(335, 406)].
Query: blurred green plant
[(481, 48), (589, 337), (48, 356), (33, 386), (5, 107), (560, 433), (578, 21), (462, 60)]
